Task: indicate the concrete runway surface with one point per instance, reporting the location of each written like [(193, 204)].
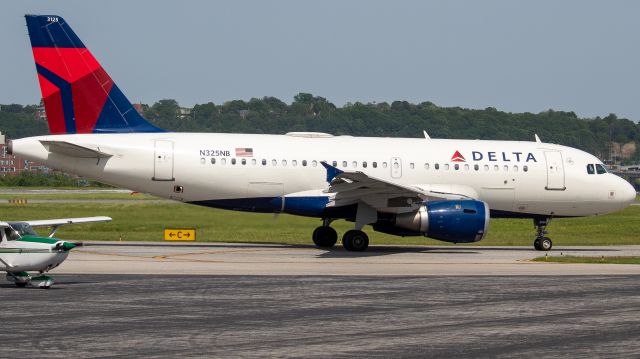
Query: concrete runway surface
[(88, 315), (254, 300)]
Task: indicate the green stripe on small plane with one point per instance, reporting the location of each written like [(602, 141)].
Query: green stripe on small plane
[(36, 239)]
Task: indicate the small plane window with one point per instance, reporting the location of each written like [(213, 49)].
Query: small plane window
[(314, 163), (364, 164), (515, 168), (384, 165), (254, 162), (244, 161), (233, 161), (344, 163), (446, 166), (590, 169), (436, 166), (506, 168), (411, 165), (223, 161), (284, 162), (466, 167), (476, 167), (304, 163), (213, 161), (456, 166), (426, 166), (375, 164), (203, 160), (264, 162), (274, 162), (525, 168), (496, 168), (354, 164), (600, 169), (334, 163)]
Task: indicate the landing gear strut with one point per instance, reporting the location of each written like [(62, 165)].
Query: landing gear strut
[(355, 240), (325, 236), (542, 242)]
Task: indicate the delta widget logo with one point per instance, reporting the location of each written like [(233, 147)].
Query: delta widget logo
[(458, 157)]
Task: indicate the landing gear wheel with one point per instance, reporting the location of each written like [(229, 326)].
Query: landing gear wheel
[(325, 237), (355, 240), (542, 243), (545, 244)]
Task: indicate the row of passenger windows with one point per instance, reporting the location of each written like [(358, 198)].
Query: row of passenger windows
[(597, 168), (364, 164)]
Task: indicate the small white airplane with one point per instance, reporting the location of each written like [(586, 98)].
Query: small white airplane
[(438, 188), (22, 250)]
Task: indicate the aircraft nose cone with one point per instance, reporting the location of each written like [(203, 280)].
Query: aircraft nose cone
[(628, 193)]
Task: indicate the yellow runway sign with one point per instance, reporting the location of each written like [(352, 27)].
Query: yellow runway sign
[(179, 234)]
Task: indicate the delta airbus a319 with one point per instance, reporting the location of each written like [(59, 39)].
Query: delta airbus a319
[(438, 188)]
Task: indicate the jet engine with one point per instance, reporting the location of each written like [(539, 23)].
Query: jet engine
[(458, 221)]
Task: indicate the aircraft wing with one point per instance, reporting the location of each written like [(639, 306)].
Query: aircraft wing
[(353, 187), (74, 150), (61, 221)]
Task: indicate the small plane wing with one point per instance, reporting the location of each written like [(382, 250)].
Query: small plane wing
[(74, 150), (356, 186), (61, 221)]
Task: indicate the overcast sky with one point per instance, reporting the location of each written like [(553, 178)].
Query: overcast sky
[(581, 56)]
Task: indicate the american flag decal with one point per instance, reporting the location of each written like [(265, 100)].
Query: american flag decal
[(244, 152)]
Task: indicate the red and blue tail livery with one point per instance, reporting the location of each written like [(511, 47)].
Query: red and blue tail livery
[(79, 96)]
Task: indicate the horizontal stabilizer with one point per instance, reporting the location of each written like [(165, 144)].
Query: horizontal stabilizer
[(74, 150)]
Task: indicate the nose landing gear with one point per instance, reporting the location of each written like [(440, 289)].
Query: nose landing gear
[(542, 242)]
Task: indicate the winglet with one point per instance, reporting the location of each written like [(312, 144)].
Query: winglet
[(332, 172), (426, 135), (537, 138)]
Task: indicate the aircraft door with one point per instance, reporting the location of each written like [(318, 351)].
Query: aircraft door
[(163, 161), (555, 171), (396, 167)]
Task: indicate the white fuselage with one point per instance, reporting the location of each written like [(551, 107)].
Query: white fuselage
[(514, 178)]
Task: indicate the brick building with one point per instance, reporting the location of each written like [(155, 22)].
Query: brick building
[(11, 165)]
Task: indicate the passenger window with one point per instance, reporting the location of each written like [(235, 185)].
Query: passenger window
[(253, 161), (590, 169), (506, 168), (274, 162), (213, 161), (334, 163), (426, 166), (384, 165), (244, 161), (515, 168), (456, 166), (233, 161), (223, 161), (396, 165), (354, 164), (411, 165), (314, 163), (344, 164), (284, 163), (294, 163), (600, 169), (264, 162), (364, 164), (202, 160), (446, 167), (436, 166), (496, 168), (304, 163), (525, 168), (476, 167), (375, 164)]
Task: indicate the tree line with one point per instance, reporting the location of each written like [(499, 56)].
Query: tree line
[(600, 136)]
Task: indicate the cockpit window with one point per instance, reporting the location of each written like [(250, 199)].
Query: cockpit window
[(590, 169), (600, 169), (23, 229)]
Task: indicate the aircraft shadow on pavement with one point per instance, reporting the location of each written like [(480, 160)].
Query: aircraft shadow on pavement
[(375, 251)]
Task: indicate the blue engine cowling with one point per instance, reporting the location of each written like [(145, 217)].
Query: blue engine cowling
[(458, 221)]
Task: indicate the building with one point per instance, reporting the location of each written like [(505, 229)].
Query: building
[(40, 112), (11, 165)]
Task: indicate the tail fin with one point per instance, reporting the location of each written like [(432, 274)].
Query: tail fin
[(79, 96)]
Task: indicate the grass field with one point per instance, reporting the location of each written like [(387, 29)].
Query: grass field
[(142, 220), (577, 259)]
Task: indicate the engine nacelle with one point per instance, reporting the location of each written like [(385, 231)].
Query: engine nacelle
[(458, 221)]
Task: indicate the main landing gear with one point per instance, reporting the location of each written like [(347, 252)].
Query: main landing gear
[(542, 242), (22, 279), (353, 240)]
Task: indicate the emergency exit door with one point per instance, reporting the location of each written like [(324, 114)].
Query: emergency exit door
[(163, 161), (555, 171)]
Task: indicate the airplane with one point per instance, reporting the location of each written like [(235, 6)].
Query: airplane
[(446, 189), (22, 250)]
